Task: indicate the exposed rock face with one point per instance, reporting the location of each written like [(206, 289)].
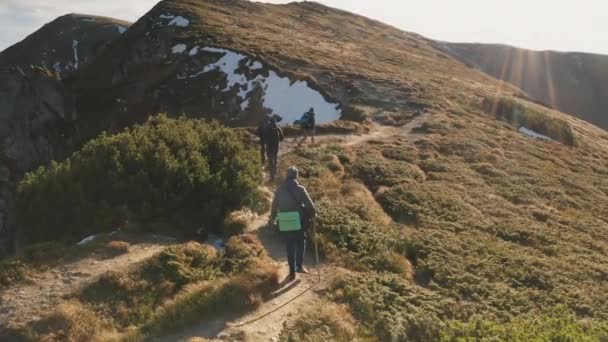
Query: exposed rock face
[(65, 44), (36, 126), (574, 83)]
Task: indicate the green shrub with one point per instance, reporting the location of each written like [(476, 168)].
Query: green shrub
[(519, 115), (558, 324), (172, 169), (394, 308)]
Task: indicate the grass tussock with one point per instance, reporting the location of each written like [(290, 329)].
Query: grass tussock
[(327, 322), (70, 322), (118, 247), (234, 295), (130, 298), (236, 222)]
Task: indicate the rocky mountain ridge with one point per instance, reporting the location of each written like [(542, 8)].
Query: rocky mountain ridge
[(66, 44)]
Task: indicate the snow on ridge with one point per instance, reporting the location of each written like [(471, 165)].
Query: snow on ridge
[(88, 19), (75, 47), (57, 67), (87, 240), (533, 134), (121, 29), (256, 65), (193, 51), (281, 95), (166, 16), (179, 48), (179, 21)]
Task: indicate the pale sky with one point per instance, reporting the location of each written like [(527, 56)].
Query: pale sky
[(564, 25)]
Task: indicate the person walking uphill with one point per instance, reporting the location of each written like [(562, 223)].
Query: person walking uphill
[(273, 135), (294, 209), (261, 132), (308, 124)]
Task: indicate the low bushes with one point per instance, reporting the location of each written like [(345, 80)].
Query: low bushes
[(170, 169), (394, 308), (558, 324)]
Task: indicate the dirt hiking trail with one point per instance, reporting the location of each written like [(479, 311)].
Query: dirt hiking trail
[(292, 298), (24, 303)]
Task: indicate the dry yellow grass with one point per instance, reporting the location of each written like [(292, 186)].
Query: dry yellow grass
[(118, 247), (237, 222), (70, 322)]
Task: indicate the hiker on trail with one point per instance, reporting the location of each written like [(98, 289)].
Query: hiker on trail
[(295, 211), (307, 122), (272, 137), (261, 133)]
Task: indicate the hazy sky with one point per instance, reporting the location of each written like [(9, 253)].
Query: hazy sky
[(565, 25)]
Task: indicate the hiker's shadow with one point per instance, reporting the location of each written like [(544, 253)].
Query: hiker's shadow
[(285, 286)]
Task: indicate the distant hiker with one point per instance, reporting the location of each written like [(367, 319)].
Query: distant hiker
[(261, 133), (294, 210), (307, 122), (272, 137)]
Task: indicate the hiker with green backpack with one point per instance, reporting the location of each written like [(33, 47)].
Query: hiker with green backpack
[(295, 212)]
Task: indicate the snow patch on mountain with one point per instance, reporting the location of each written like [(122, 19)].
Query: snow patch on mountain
[(179, 48), (121, 29), (75, 47), (256, 65), (194, 51), (179, 21), (280, 94), (533, 134)]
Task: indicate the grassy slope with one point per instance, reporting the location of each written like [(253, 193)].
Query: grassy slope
[(485, 222), (501, 224)]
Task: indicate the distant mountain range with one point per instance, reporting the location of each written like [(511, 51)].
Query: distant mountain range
[(574, 83)]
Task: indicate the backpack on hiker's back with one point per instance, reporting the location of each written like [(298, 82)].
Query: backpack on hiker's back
[(274, 133)]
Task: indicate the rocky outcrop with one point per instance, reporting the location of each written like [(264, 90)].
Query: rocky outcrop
[(165, 64), (37, 117)]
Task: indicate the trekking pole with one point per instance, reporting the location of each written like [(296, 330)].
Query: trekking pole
[(314, 233)]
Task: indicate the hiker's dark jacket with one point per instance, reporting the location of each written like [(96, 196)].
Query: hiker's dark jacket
[(308, 120), (271, 138), (261, 131), (291, 196)]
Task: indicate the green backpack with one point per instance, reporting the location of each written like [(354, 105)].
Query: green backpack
[(290, 221)]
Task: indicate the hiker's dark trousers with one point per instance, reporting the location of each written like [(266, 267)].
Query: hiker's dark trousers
[(296, 245), (263, 152), (272, 153)]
